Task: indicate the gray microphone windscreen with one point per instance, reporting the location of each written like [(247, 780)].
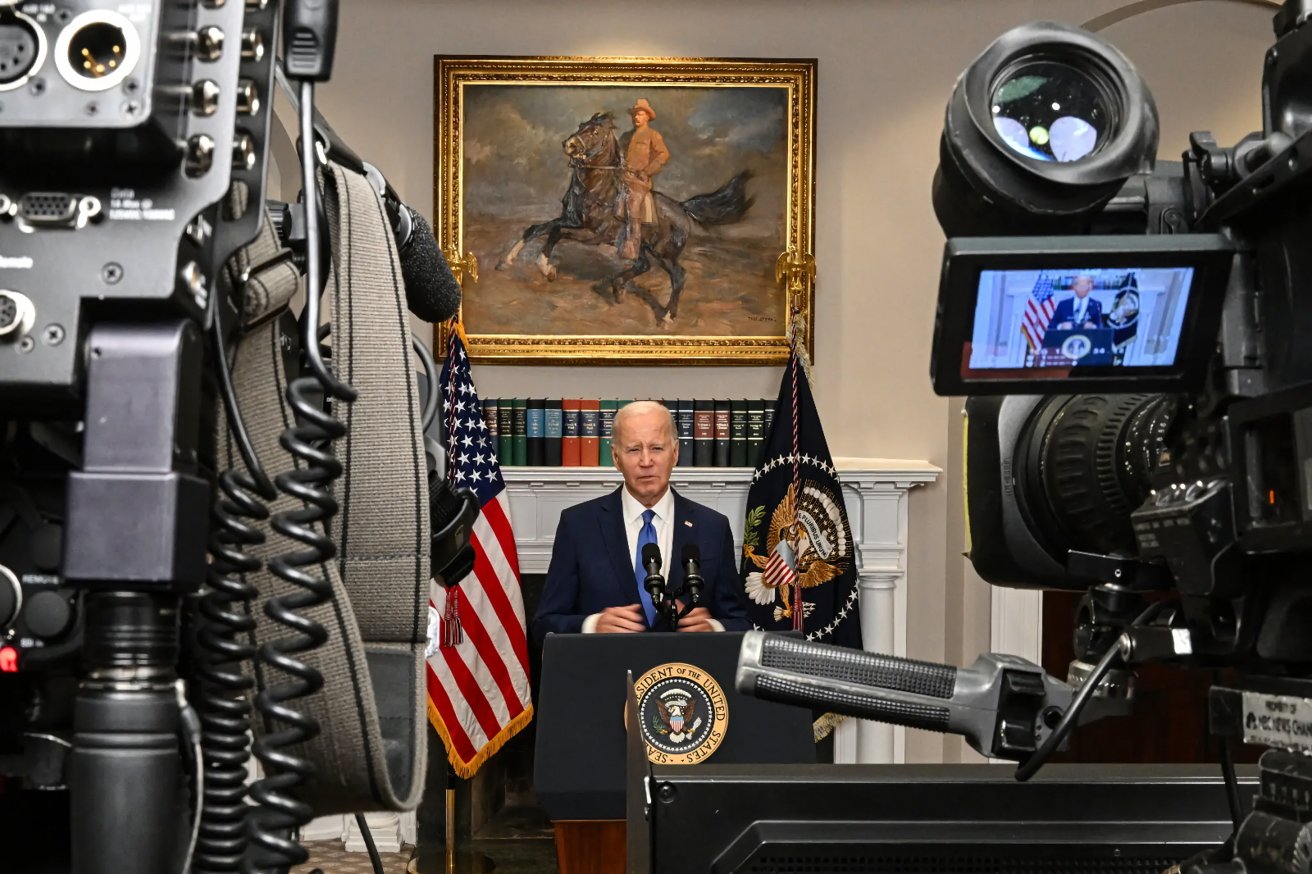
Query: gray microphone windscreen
[(431, 290)]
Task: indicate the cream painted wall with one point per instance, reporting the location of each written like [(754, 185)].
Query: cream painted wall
[(886, 68)]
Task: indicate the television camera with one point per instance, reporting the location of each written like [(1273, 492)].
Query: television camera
[(175, 571), (1133, 339)]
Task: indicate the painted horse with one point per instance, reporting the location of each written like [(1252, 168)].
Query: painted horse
[(592, 207)]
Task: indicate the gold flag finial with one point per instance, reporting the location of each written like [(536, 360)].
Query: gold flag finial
[(797, 269), (461, 265)]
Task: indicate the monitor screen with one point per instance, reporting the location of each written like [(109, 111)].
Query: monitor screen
[(1032, 315), (1079, 317)]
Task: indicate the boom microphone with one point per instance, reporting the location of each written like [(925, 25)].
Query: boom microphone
[(431, 290)]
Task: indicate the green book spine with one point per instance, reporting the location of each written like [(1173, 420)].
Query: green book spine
[(490, 419), (607, 424), (505, 432), (738, 433), (767, 421), (519, 441)]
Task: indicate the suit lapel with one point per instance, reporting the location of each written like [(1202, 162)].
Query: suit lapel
[(616, 539)]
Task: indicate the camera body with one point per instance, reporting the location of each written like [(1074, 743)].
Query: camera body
[(1138, 388)]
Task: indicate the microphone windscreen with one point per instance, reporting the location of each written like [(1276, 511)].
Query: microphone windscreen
[(691, 552), (431, 290), (651, 552)]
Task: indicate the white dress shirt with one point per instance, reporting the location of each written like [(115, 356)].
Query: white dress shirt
[(1080, 308), (663, 522)]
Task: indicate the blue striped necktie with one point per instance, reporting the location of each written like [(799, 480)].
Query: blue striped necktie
[(645, 536)]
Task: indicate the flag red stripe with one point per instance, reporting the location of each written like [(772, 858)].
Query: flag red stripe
[(492, 585), (495, 514), (469, 690), (464, 747), (500, 604), (492, 660)]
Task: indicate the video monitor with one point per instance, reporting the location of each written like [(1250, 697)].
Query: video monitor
[(1024, 315)]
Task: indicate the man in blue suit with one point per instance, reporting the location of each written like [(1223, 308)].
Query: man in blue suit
[(594, 582), (1080, 311)]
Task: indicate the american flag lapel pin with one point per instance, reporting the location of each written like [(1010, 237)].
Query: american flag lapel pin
[(687, 522)]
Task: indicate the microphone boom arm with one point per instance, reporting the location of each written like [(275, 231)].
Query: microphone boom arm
[(1004, 706)]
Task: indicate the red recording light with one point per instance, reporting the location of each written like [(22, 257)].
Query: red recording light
[(8, 660)]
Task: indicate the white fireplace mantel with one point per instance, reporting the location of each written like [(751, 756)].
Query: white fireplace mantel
[(875, 493)]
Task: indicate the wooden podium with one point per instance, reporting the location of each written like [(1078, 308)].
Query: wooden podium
[(687, 707)]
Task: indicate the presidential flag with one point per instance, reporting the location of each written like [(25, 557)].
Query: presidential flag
[(799, 567), (1038, 312), (478, 675)]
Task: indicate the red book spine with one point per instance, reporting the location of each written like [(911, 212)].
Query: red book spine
[(570, 448)]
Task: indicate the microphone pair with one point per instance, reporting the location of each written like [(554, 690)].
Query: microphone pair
[(667, 604)]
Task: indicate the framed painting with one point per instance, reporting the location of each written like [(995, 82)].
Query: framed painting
[(627, 210)]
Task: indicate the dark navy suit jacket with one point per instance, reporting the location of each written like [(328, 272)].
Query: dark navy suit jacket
[(1065, 312), (591, 568)]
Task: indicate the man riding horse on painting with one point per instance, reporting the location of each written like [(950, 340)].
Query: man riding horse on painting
[(644, 156)]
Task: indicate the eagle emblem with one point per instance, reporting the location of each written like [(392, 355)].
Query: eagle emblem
[(676, 715), (683, 713), (809, 530)]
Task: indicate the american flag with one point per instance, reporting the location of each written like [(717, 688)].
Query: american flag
[(478, 679), (1038, 312)]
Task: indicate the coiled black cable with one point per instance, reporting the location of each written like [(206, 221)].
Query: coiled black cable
[(309, 441), (285, 727), (222, 700), (223, 703)]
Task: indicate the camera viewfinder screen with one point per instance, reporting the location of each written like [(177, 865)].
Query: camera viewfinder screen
[(1120, 317)]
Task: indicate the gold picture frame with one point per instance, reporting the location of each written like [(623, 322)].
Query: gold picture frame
[(522, 142)]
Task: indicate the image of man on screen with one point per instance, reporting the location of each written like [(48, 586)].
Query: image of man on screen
[(1080, 311)]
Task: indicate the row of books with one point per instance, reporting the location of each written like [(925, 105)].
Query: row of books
[(573, 432)]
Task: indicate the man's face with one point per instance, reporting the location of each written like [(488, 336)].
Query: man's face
[(644, 449), (640, 118), (1082, 286)]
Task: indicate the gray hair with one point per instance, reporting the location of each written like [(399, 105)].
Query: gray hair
[(646, 407)]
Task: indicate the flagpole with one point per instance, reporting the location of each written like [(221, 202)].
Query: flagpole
[(798, 269), (451, 860)]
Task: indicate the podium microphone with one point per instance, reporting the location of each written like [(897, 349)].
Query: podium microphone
[(654, 583), (692, 573)]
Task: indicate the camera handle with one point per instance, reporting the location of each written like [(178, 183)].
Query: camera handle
[(133, 543)]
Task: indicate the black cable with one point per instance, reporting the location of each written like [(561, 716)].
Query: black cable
[(1030, 766), (281, 810), (432, 376), (1231, 783), (369, 844), (236, 422)]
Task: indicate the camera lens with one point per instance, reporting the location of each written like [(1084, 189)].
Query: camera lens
[(1041, 132), (1049, 111), (1086, 465)]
